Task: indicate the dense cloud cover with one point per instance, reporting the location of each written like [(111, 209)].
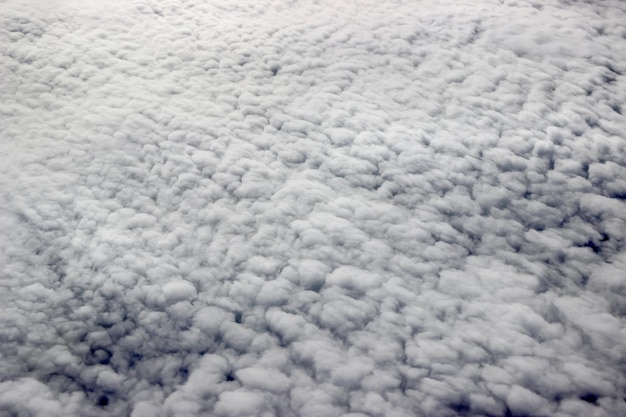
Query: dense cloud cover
[(312, 208)]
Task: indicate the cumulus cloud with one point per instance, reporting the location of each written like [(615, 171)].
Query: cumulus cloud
[(372, 208)]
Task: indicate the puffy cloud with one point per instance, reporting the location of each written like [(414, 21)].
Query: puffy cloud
[(312, 208)]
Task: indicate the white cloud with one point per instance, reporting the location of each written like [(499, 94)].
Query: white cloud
[(178, 291), (240, 403), (312, 208), (264, 379)]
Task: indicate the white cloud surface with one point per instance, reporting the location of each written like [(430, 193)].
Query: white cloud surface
[(279, 208)]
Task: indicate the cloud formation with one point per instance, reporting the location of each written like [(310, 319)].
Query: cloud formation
[(312, 208)]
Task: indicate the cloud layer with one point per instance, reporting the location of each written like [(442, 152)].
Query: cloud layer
[(281, 208)]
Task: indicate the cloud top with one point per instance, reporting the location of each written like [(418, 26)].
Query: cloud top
[(310, 209)]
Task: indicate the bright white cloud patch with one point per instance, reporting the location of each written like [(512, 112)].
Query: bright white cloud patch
[(264, 208)]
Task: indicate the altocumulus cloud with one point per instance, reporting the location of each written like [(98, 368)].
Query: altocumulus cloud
[(325, 208)]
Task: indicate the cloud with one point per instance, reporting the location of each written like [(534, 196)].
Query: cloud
[(312, 208)]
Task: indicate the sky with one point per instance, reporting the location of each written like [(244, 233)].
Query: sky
[(312, 208)]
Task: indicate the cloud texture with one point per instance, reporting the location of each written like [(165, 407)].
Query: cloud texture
[(283, 208)]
